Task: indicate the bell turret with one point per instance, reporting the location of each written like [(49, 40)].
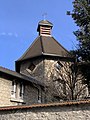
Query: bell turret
[(44, 28)]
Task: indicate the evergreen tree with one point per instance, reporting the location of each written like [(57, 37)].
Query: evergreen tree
[(81, 16)]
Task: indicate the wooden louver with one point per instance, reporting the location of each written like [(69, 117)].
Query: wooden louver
[(45, 30)]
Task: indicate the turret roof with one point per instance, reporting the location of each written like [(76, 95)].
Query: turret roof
[(45, 45)]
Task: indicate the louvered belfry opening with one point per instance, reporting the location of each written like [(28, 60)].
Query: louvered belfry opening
[(44, 28)]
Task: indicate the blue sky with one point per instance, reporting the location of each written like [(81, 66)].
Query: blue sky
[(18, 26)]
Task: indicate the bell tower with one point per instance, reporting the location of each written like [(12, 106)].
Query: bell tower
[(44, 28), (42, 54), (44, 47)]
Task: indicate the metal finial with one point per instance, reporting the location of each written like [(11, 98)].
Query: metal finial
[(44, 16)]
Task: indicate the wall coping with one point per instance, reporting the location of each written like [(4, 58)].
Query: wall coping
[(67, 103)]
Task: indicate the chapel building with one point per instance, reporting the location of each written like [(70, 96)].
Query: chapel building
[(36, 69)]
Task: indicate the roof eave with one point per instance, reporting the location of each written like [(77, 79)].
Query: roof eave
[(20, 76), (56, 55)]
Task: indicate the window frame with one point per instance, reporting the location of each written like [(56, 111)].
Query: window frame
[(17, 91), (39, 95)]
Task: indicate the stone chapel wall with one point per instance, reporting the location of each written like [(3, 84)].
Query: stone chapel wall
[(70, 111)]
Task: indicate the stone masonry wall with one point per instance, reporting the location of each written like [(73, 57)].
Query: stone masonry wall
[(5, 92), (30, 94), (38, 71), (55, 112), (42, 70), (51, 74), (45, 71)]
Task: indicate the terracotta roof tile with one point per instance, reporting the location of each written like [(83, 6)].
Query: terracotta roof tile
[(69, 103)]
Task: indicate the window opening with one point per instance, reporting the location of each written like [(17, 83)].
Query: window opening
[(31, 67), (13, 92), (58, 65), (21, 90), (17, 90), (39, 96)]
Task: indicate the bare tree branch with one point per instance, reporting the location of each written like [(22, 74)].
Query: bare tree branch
[(67, 78)]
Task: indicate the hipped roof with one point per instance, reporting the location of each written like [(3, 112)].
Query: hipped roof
[(44, 23), (45, 45)]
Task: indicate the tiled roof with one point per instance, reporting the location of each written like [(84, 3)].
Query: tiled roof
[(69, 103), (45, 46), (20, 76)]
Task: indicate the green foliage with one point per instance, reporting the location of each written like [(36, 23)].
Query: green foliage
[(81, 16), (85, 69)]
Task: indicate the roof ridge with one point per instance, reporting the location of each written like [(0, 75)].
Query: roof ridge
[(28, 49), (45, 45), (41, 44), (61, 45)]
